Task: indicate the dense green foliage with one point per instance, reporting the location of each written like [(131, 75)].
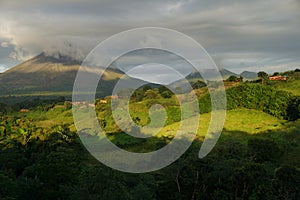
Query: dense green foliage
[(39, 160), (51, 163), (233, 78), (280, 104)]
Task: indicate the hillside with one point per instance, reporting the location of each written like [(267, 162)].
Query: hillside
[(248, 75), (50, 77), (43, 157), (225, 73), (292, 85), (46, 75), (258, 151)]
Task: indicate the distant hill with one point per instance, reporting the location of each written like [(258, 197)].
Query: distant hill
[(48, 75), (245, 74), (210, 73), (226, 73), (248, 75)]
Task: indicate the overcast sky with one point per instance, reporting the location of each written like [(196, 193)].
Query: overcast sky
[(239, 35)]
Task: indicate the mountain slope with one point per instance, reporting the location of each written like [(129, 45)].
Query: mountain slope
[(43, 74), (248, 75), (49, 76), (226, 73)]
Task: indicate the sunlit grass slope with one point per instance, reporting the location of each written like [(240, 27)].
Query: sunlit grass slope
[(292, 86), (243, 120)]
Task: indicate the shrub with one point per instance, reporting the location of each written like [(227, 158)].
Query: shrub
[(286, 182), (264, 98), (166, 94), (293, 109), (263, 149), (152, 94), (232, 78)]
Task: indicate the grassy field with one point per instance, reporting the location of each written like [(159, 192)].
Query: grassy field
[(289, 86), (239, 120)]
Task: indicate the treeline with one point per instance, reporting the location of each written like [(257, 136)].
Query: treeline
[(150, 92), (147, 92), (34, 104)]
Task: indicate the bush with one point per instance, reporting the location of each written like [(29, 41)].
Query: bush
[(286, 182), (174, 115), (280, 104), (263, 149), (232, 78), (293, 109), (152, 94), (166, 94)]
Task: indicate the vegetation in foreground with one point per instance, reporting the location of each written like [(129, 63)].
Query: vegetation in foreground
[(257, 156)]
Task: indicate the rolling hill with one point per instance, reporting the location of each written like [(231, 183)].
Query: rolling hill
[(248, 75), (225, 73)]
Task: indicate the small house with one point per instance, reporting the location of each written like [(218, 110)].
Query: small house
[(277, 78)]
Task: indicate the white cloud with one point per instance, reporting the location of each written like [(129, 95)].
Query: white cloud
[(3, 68), (4, 44)]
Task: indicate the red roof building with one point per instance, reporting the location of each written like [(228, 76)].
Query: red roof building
[(277, 78)]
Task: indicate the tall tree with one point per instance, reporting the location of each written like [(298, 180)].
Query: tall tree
[(263, 76)]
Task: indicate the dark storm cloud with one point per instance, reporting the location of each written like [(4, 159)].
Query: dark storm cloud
[(238, 34)]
